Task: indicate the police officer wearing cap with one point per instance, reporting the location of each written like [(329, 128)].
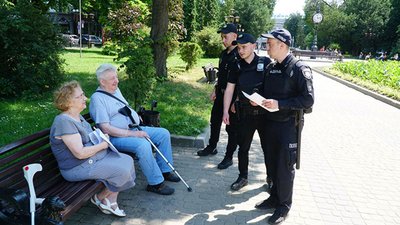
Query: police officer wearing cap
[(248, 79), (287, 88), (227, 63)]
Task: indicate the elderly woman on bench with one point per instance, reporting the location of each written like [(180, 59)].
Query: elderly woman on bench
[(80, 159)]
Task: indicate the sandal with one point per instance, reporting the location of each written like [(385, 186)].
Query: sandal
[(117, 211), (97, 203)]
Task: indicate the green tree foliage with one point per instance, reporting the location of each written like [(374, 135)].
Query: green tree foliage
[(295, 25), (190, 53), (124, 22), (210, 42), (335, 28), (133, 41), (255, 16), (190, 16), (5, 4), (141, 74), (208, 13), (225, 9), (392, 31), (30, 64), (176, 26), (357, 25), (371, 17)]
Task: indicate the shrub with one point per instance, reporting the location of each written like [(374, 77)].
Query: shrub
[(375, 71), (30, 64), (190, 52), (140, 71), (334, 46), (110, 48), (210, 42)]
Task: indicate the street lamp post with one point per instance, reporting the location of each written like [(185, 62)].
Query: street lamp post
[(234, 19), (369, 35), (80, 28), (317, 19)]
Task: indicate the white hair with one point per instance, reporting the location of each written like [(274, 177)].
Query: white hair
[(103, 68)]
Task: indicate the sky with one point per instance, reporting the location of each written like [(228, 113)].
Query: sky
[(287, 7)]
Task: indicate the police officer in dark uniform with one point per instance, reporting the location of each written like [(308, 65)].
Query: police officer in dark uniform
[(287, 87), (227, 62), (248, 79)]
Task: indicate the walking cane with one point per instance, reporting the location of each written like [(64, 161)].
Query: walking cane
[(126, 111)]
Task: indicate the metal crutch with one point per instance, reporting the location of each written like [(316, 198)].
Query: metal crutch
[(29, 172)]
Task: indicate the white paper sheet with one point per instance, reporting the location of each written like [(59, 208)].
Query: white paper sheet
[(255, 97)]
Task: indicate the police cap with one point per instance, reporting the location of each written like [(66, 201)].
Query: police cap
[(282, 35), (228, 28), (244, 38)]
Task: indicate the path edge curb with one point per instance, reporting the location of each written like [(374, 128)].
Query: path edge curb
[(199, 141)]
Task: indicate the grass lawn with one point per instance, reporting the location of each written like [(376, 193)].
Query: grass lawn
[(182, 100)]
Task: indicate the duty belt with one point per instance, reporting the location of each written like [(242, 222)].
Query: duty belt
[(254, 112)]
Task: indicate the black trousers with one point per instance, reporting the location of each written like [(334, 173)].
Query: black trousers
[(281, 157), (248, 125), (217, 113)]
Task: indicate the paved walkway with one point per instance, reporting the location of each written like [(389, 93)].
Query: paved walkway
[(349, 174)]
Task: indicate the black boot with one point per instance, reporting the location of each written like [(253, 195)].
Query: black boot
[(226, 162), (207, 151), (239, 183)]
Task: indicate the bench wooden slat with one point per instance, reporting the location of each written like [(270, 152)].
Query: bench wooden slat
[(43, 143), (319, 54), (24, 141), (84, 196), (11, 174)]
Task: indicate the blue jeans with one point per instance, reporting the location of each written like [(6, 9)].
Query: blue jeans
[(151, 167)]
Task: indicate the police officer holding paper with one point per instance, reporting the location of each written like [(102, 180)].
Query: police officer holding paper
[(248, 79), (287, 87)]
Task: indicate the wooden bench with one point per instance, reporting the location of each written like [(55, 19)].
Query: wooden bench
[(318, 54), (35, 148)]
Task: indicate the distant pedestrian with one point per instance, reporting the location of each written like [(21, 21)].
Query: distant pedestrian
[(361, 56), (368, 56)]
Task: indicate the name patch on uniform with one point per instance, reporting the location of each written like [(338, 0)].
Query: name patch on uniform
[(292, 145), (307, 74), (275, 71)]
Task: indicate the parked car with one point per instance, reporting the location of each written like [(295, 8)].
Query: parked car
[(70, 39), (91, 39)]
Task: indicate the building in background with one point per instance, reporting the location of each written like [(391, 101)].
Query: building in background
[(279, 20)]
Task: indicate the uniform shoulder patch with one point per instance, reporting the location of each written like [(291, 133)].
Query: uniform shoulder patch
[(307, 73)]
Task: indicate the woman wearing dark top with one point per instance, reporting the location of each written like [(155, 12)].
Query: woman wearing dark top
[(80, 159)]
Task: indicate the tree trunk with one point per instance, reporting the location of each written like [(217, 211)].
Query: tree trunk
[(159, 29)]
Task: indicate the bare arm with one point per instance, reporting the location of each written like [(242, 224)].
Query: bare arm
[(117, 132), (213, 95), (74, 144), (230, 88)]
